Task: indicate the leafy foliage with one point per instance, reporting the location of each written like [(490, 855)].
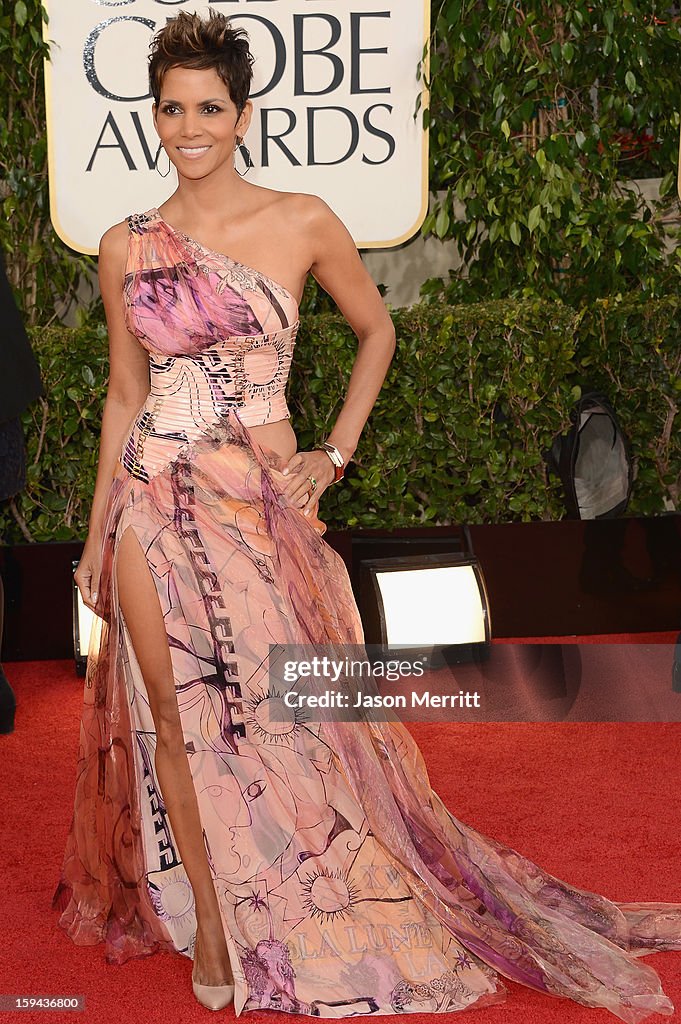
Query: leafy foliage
[(540, 114), (45, 273), (457, 432), (62, 433), (472, 400)]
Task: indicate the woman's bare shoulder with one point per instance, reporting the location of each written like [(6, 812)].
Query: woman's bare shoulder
[(114, 238), (294, 205), (309, 205), (113, 248)]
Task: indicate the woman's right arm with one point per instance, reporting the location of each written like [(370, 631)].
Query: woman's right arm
[(127, 389)]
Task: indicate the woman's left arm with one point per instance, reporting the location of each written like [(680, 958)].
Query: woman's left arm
[(336, 264)]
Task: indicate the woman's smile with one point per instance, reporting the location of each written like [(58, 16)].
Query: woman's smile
[(193, 152)]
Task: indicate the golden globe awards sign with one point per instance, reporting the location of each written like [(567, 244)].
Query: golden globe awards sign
[(334, 93)]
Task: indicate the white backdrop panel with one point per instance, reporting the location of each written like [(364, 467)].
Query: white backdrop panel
[(338, 122)]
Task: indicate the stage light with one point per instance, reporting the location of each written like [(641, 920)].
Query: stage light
[(86, 626), (432, 606)]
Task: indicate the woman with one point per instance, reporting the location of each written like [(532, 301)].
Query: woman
[(303, 867)]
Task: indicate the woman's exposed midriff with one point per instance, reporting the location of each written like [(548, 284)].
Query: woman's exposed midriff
[(279, 436)]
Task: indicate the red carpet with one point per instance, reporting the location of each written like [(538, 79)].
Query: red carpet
[(597, 804)]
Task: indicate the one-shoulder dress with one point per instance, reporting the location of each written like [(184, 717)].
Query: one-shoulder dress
[(345, 885)]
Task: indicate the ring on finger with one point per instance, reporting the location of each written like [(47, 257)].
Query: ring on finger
[(313, 483)]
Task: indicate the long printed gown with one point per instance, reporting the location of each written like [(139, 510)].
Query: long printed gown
[(345, 885)]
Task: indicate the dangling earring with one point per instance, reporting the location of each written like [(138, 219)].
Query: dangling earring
[(158, 153), (243, 148)]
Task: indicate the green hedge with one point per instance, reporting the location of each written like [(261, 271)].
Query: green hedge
[(473, 397)]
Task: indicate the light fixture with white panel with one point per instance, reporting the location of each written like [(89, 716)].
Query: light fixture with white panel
[(433, 605)]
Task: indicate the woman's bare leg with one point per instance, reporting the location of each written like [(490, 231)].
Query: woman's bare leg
[(142, 612)]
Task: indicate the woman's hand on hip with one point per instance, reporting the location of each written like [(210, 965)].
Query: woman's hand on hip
[(299, 468)]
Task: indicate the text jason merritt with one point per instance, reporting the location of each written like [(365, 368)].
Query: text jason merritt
[(338, 699)]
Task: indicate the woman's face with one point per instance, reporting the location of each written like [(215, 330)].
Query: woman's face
[(196, 120), (249, 808)]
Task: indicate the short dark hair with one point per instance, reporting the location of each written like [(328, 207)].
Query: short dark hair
[(190, 41)]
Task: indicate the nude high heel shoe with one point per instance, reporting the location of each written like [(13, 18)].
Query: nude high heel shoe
[(213, 997)]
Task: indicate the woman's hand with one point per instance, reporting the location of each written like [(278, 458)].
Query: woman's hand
[(298, 469), (88, 572)]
